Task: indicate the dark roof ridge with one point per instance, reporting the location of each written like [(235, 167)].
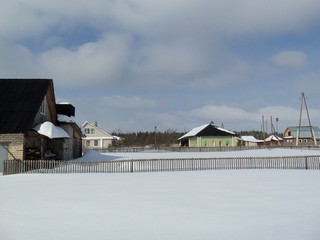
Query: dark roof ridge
[(20, 100)]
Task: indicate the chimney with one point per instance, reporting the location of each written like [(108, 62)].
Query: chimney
[(96, 123)]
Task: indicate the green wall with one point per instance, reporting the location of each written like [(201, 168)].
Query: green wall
[(213, 141)]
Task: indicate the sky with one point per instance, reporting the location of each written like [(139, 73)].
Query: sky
[(133, 65)]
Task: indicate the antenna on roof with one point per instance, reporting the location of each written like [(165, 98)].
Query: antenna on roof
[(303, 100)]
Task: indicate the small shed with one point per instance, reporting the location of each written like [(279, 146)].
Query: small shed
[(251, 141), (273, 140)]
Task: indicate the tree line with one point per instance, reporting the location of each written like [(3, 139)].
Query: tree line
[(142, 139)]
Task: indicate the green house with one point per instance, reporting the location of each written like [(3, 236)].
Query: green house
[(209, 135)]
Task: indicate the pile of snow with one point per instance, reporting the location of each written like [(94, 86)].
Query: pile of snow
[(237, 204), (92, 155)]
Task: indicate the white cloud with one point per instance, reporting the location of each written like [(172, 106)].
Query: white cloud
[(235, 118), (234, 71), (208, 19), (95, 62), (223, 113), (291, 59), (17, 61), (123, 102), (284, 113), (183, 44), (164, 62), (195, 19), (174, 39)]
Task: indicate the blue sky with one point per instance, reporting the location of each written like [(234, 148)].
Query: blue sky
[(134, 64)]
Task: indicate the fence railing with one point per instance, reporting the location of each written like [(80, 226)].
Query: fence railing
[(159, 165), (203, 149)]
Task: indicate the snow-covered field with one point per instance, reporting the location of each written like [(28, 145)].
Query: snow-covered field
[(272, 152), (227, 204)]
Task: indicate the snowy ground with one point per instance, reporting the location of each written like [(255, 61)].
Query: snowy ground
[(222, 204), (272, 152)]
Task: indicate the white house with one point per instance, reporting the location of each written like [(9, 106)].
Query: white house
[(95, 138)]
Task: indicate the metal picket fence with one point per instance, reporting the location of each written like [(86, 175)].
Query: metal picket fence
[(159, 165)]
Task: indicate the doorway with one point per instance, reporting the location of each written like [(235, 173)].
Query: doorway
[(3, 155)]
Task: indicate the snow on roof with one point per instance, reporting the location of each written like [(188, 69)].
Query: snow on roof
[(67, 103), (51, 131), (117, 138), (289, 137), (196, 130), (250, 139), (225, 130), (273, 138), (65, 118)]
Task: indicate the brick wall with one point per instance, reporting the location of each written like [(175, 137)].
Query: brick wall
[(15, 143)]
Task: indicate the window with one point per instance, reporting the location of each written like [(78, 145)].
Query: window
[(89, 131), (96, 143), (88, 143), (42, 108)]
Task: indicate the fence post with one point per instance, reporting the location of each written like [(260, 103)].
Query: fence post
[(5, 170), (306, 163), (131, 166)]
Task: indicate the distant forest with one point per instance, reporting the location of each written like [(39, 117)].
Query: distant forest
[(141, 139), (168, 137)]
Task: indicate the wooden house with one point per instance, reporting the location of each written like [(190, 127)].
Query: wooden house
[(209, 135), (307, 135), (29, 127), (273, 140)]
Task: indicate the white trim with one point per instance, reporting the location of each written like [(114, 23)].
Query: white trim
[(95, 138)]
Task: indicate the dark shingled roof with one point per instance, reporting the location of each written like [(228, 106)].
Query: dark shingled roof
[(207, 130), (20, 100)]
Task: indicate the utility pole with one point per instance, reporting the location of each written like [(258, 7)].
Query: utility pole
[(304, 101), (262, 130), (155, 137)]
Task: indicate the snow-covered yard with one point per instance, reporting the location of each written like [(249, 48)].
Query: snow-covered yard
[(222, 204), (272, 152)]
